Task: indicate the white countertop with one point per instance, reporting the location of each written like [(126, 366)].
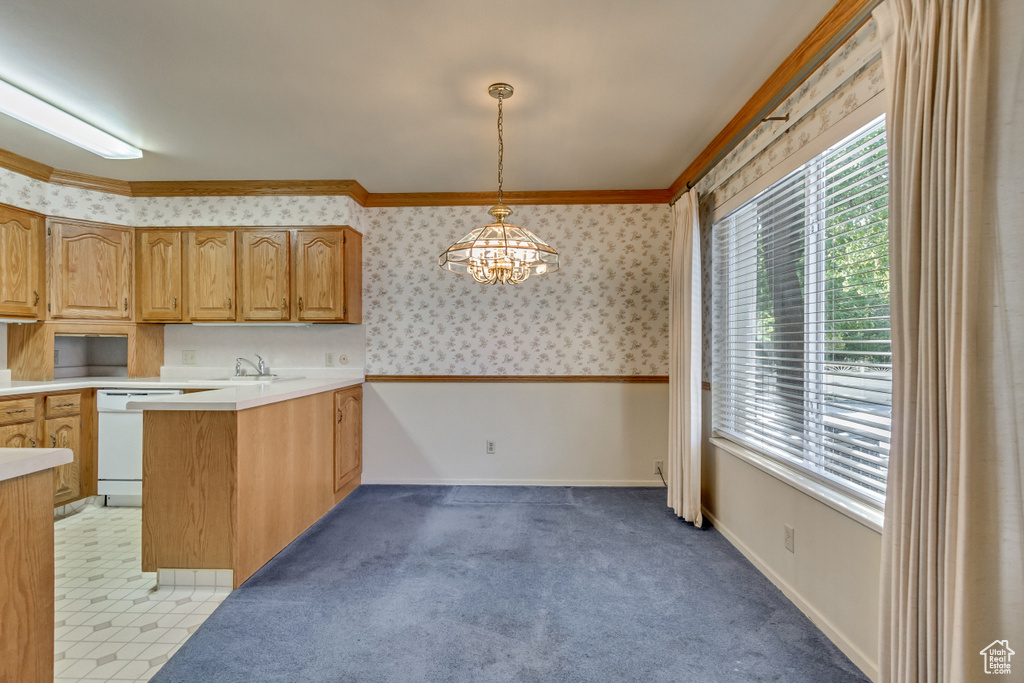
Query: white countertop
[(217, 394), (20, 387), (248, 395), (17, 462)]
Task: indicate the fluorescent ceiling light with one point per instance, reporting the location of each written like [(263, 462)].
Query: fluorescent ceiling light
[(30, 109)]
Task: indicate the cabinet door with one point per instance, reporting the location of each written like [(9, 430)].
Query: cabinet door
[(211, 274), (348, 435), (23, 435), (263, 264), (92, 271), (319, 275), (66, 432), (21, 267), (158, 275)]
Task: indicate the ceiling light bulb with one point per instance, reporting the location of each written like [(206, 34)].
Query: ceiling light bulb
[(29, 109)]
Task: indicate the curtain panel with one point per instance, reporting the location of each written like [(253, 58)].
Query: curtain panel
[(684, 373), (952, 578)]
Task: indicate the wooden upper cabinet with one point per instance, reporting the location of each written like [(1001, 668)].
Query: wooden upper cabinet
[(91, 271), (158, 275), (211, 274), (264, 275), (328, 275), (21, 263), (319, 275)]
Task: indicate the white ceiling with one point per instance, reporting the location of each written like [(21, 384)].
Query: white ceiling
[(610, 94)]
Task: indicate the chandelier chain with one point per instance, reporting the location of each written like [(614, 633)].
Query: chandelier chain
[(501, 150)]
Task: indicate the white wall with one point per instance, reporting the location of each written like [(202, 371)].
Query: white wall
[(596, 434), (832, 575), (218, 346)]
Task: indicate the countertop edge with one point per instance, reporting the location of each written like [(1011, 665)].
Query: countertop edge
[(233, 399), (18, 462)]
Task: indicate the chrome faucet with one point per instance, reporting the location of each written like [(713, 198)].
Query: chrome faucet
[(261, 368)]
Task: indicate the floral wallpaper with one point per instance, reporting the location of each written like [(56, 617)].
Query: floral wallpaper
[(62, 200), (271, 210), (605, 312)]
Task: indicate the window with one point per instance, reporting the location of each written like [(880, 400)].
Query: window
[(802, 365)]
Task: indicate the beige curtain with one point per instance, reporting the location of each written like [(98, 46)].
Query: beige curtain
[(952, 570), (684, 367)]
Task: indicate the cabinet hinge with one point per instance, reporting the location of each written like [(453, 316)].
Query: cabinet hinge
[(344, 238), (48, 307), (344, 310)]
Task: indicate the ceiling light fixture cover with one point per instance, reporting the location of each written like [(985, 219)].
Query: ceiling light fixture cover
[(29, 109), (500, 253)]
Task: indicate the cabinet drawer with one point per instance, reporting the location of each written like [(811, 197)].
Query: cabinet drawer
[(63, 405), (17, 411)]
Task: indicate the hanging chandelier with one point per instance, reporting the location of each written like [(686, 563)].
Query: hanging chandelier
[(500, 252)]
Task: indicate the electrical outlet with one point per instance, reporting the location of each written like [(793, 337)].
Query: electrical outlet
[(490, 448), (659, 467), (342, 359), (328, 359), (188, 357), (790, 540)]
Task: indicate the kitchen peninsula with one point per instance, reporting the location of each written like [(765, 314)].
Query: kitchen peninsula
[(26, 562), (232, 476)]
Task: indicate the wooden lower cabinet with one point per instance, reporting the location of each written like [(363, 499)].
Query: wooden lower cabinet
[(66, 432), (348, 435), (19, 436), (55, 421)]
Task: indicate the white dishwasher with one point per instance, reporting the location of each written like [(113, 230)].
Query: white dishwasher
[(120, 444)]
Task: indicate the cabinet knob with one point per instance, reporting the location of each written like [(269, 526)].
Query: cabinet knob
[(32, 442)]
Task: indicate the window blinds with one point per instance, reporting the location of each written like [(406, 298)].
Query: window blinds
[(802, 347)]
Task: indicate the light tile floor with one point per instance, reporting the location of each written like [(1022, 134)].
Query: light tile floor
[(111, 621)]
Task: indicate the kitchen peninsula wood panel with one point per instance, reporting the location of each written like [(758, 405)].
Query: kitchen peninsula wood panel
[(230, 489), (26, 578)]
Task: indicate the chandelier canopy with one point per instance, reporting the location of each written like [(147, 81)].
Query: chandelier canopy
[(500, 253)]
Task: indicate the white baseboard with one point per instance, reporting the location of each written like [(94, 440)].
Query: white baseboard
[(510, 482), (856, 655)]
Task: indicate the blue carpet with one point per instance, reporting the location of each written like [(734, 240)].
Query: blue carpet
[(440, 583)]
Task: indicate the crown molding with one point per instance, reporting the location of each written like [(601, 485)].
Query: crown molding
[(398, 199), (25, 166), (249, 188), (90, 182), (845, 17), (346, 188)]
